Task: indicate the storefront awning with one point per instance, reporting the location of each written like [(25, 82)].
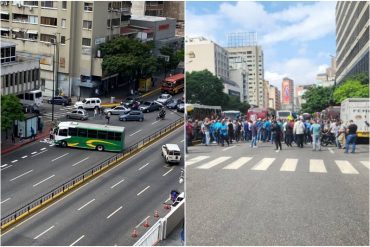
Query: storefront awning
[(32, 31)]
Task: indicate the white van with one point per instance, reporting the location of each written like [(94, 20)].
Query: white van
[(88, 103), (171, 153)]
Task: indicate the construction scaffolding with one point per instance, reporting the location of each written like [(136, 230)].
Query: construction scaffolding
[(241, 39)]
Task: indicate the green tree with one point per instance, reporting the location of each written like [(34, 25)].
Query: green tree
[(174, 58), (351, 89), (361, 77), (11, 109), (317, 99), (233, 103)]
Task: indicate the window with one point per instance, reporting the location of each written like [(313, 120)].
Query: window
[(33, 19), (46, 37), (5, 17), (87, 24), (48, 21), (63, 23), (49, 4), (64, 4), (117, 136), (20, 18), (92, 133), (86, 42), (5, 33), (63, 40), (110, 136), (102, 135), (116, 22), (31, 3), (88, 6), (72, 131), (82, 132), (32, 36), (63, 132)]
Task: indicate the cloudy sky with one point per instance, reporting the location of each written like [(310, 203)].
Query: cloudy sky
[(297, 37)]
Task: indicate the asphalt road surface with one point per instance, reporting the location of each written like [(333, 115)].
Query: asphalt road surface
[(34, 169), (242, 196), (107, 209)]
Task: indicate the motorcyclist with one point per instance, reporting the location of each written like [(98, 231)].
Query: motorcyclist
[(162, 113)]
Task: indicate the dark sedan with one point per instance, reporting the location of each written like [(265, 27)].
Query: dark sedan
[(60, 100), (149, 106), (172, 104), (132, 116)]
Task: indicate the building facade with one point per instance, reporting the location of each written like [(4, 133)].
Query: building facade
[(274, 98), (287, 94), (266, 92), (352, 38), (239, 76), (68, 32), (204, 54)]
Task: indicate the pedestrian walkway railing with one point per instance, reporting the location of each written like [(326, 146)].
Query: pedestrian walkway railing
[(76, 181)]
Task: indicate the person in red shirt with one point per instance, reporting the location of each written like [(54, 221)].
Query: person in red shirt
[(189, 134)]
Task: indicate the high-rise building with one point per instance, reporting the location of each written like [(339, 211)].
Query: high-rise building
[(274, 98), (266, 92), (352, 38), (245, 54), (287, 94), (204, 54), (68, 32), (239, 76)]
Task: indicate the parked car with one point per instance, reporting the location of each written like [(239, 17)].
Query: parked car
[(88, 103), (78, 114), (173, 103), (132, 116), (181, 107), (60, 100), (118, 110), (129, 101), (164, 98), (149, 106), (171, 153)]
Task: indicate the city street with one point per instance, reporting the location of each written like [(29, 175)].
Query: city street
[(242, 196), (107, 209)]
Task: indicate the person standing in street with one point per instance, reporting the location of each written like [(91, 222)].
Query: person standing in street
[(33, 135), (289, 133), (20, 135), (298, 130), (51, 134), (95, 112), (277, 133), (351, 136), (108, 117), (254, 130), (223, 133), (206, 131), (189, 134), (315, 130)]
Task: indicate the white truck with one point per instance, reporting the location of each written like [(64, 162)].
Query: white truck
[(356, 109)]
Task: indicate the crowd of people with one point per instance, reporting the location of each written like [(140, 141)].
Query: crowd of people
[(223, 131)]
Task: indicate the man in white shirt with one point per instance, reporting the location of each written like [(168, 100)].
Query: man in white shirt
[(298, 130)]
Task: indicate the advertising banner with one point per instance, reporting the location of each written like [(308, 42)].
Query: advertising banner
[(285, 92)]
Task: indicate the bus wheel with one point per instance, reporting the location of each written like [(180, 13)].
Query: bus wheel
[(100, 148), (63, 144)]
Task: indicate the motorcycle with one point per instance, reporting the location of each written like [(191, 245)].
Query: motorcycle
[(161, 115), (327, 138)]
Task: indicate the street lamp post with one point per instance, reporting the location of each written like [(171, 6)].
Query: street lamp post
[(53, 94)]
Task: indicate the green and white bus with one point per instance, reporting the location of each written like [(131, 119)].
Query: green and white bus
[(90, 136)]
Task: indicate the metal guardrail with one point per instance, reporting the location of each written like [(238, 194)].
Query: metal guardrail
[(77, 180)]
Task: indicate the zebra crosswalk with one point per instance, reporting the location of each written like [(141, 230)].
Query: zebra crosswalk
[(264, 164), (58, 113)]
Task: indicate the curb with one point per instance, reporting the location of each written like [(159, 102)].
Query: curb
[(16, 146)]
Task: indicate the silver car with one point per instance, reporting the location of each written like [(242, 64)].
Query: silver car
[(118, 110), (78, 114)]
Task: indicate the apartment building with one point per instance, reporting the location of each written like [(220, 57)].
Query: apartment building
[(352, 38), (239, 76), (274, 98), (69, 33)]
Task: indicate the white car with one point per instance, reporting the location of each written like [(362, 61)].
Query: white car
[(164, 98), (88, 103), (118, 110), (171, 153)]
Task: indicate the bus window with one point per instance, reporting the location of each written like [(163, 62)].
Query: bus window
[(102, 135), (117, 136), (111, 136), (82, 132), (92, 133), (38, 95), (72, 131), (63, 132)]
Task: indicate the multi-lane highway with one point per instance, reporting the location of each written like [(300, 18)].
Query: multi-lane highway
[(105, 210), (38, 167)]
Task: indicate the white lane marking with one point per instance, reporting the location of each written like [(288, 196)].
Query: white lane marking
[(118, 209), (42, 149), (14, 161), (366, 164), (263, 165), (21, 175), (3, 165), (33, 153), (117, 184), (331, 150), (24, 156), (51, 145), (143, 166), (43, 180), (238, 163), (135, 132), (195, 160), (77, 240), (80, 161), (6, 167), (155, 122), (59, 157), (142, 221), (346, 167), (167, 172), (5, 200), (228, 148), (143, 190), (44, 232), (317, 166), (39, 153), (213, 163), (86, 204), (289, 165), (182, 140)]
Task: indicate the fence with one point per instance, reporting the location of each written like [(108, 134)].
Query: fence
[(79, 179)]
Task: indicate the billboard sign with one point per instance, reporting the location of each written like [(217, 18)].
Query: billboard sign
[(285, 92)]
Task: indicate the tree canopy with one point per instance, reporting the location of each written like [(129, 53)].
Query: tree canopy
[(351, 89), (11, 109), (175, 57), (317, 99)]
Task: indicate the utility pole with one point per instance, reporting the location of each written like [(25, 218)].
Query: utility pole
[(53, 94), (57, 60)]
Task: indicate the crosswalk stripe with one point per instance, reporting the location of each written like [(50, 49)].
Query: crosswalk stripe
[(213, 163), (289, 165), (317, 166), (366, 164), (196, 160), (346, 167), (263, 165), (238, 163)]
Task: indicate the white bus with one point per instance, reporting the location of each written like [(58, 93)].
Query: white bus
[(231, 114), (283, 115), (31, 98)]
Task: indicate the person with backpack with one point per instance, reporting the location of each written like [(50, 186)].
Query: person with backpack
[(299, 130)]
